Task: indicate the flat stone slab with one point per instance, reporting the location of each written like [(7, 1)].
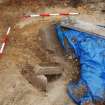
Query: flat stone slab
[(48, 70)]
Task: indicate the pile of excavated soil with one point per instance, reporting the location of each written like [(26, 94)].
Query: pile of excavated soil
[(24, 47)]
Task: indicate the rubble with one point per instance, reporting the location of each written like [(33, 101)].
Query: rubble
[(37, 75)]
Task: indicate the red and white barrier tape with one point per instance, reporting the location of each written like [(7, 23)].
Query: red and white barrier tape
[(4, 40), (51, 14)]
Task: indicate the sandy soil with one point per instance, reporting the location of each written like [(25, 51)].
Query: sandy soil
[(23, 47)]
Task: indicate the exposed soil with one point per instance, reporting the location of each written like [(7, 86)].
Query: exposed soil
[(25, 47)]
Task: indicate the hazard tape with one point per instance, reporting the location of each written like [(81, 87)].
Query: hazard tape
[(51, 14), (5, 39)]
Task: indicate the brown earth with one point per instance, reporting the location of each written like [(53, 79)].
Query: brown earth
[(24, 47)]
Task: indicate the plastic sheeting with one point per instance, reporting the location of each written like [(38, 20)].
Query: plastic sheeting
[(90, 50)]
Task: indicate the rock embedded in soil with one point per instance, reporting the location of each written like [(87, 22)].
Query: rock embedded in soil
[(37, 81)]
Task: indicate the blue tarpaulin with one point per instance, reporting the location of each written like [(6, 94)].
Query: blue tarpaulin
[(90, 50)]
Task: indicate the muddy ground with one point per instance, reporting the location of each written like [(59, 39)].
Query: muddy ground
[(24, 48)]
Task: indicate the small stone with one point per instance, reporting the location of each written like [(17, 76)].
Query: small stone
[(70, 57)]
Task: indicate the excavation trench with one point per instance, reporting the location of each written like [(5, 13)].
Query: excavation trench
[(55, 64)]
